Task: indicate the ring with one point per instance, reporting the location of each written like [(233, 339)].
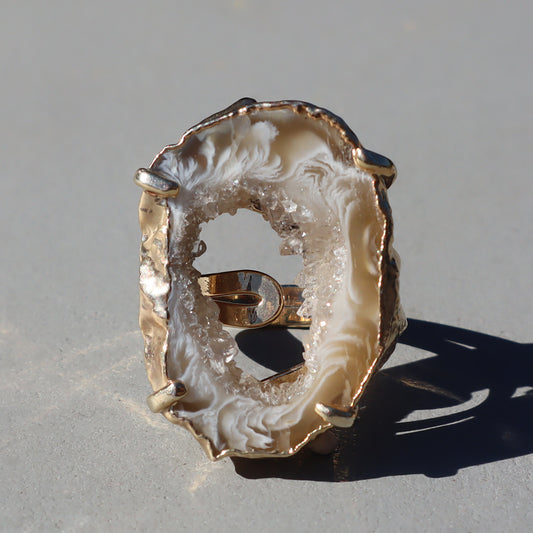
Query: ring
[(303, 170)]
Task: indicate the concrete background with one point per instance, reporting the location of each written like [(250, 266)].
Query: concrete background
[(91, 91)]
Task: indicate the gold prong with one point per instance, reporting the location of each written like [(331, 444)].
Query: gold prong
[(155, 182), (341, 417), (375, 164), (167, 396)]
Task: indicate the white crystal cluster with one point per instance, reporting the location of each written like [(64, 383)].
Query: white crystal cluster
[(296, 171)]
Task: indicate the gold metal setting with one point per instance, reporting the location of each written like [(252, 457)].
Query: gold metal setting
[(375, 164), (166, 397), (156, 183), (251, 298), (342, 417), (154, 286)]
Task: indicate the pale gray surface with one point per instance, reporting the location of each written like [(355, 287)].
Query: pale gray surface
[(93, 90)]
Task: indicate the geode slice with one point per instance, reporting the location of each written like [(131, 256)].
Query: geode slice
[(306, 173)]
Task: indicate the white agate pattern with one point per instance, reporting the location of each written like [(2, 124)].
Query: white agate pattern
[(300, 173)]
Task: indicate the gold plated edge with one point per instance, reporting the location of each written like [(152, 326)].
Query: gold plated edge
[(215, 455), (296, 106), (389, 300), (154, 286), (392, 322)]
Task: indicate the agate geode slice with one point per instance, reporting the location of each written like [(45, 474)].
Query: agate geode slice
[(306, 173)]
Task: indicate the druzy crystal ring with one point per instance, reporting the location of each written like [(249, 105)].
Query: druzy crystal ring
[(303, 170)]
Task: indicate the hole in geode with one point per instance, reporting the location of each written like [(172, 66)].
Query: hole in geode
[(246, 241)]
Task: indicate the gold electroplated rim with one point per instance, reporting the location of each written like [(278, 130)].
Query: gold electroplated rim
[(371, 162), (153, 316)]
